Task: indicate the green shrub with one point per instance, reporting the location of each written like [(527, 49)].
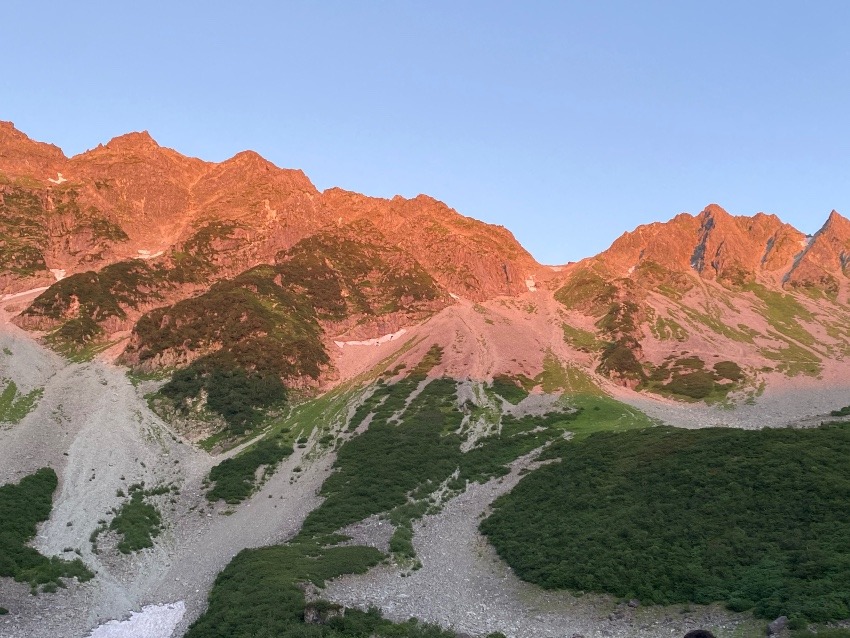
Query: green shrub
[(728, 370), (14, 406), (580, 339), (509, 389), (587, 291), (619, 358), (234, 478), (401, 542), (671, 516), (696, 385), (137, 522), (258, 592), (240, 396), (419, 449), (100, 295), (22, 507)]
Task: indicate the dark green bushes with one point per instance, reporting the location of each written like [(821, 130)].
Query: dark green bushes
[(100, 295), (137, 522), (196, 259), (728, 370), (696, 385), (343, 273), (14, 406), (689, 378), (257, 594), (238, 395), (757, 519), (254, 322), (509, 389), (22, 507), (234, 478), (401, 542), (587, 291), (390, 469), (618, 358), (419, 449)]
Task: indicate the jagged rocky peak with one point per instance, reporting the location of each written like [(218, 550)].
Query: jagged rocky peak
[(668, 244), (138, 146), (825, 262), (134, 139), (254, 171), (22, 156), (148, 201), (836, 225), (736, 249), (713, 244)]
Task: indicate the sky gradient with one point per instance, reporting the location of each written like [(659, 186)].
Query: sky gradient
[(567, 122)]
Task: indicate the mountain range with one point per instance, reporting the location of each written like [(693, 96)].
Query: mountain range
[(142, 247), (188, 345)]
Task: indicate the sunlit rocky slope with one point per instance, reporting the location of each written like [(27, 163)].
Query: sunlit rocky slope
[(180, 264), (214, 357)]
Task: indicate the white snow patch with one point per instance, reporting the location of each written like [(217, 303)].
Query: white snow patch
[(454, 296), (530, 284), (58, 180), (154, 621), (23, 294), (59, 273), (372, 342), (631, 270), (555, 268), (146, 254)]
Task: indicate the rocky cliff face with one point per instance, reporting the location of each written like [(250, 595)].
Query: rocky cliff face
[(22, 157), (823, 263), (714, 244), (737, 250)]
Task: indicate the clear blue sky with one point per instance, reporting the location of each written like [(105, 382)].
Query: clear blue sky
[(567, 122)]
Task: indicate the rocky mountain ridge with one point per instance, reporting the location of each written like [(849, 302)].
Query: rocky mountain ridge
[(142, 249), (160, 198)]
